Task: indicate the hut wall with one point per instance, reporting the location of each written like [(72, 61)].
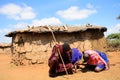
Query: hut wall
[(30, 48), (5, 50)]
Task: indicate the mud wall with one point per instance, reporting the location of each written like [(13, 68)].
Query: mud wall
[(31, 48), (5, 49)]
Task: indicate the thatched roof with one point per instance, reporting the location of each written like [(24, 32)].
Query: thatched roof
[(5, 45), (58, 29)]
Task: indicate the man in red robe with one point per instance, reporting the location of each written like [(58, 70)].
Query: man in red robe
[(55, 62), (96, 60)]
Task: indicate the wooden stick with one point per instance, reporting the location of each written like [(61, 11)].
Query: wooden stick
[(58, 51)]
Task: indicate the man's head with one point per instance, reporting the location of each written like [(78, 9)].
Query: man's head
[(66, 47), (85, 56)]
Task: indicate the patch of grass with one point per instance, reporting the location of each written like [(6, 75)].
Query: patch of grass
[(114, 43)]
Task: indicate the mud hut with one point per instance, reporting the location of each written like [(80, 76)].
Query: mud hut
[(34, 44), (5, 48)]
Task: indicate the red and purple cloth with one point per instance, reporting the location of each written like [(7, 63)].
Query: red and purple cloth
[(55, 57), (97, 59)]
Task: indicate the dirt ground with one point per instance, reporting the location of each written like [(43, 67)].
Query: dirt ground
[(40, 71)]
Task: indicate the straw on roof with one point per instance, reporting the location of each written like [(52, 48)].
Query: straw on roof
[(62, 29), (5, 45)]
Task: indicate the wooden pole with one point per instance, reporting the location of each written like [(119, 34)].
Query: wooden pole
[(58, 51)]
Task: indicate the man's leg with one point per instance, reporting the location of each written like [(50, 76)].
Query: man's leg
[(100, 67), (52, 69)]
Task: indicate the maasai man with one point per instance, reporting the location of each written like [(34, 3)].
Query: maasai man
[(55, 63), (76, 58), (71, 58), (96, 60)]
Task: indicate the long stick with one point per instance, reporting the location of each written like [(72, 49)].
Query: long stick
[(58, 51)]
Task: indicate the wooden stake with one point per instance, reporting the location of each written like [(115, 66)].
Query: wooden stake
[(59, 52)]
